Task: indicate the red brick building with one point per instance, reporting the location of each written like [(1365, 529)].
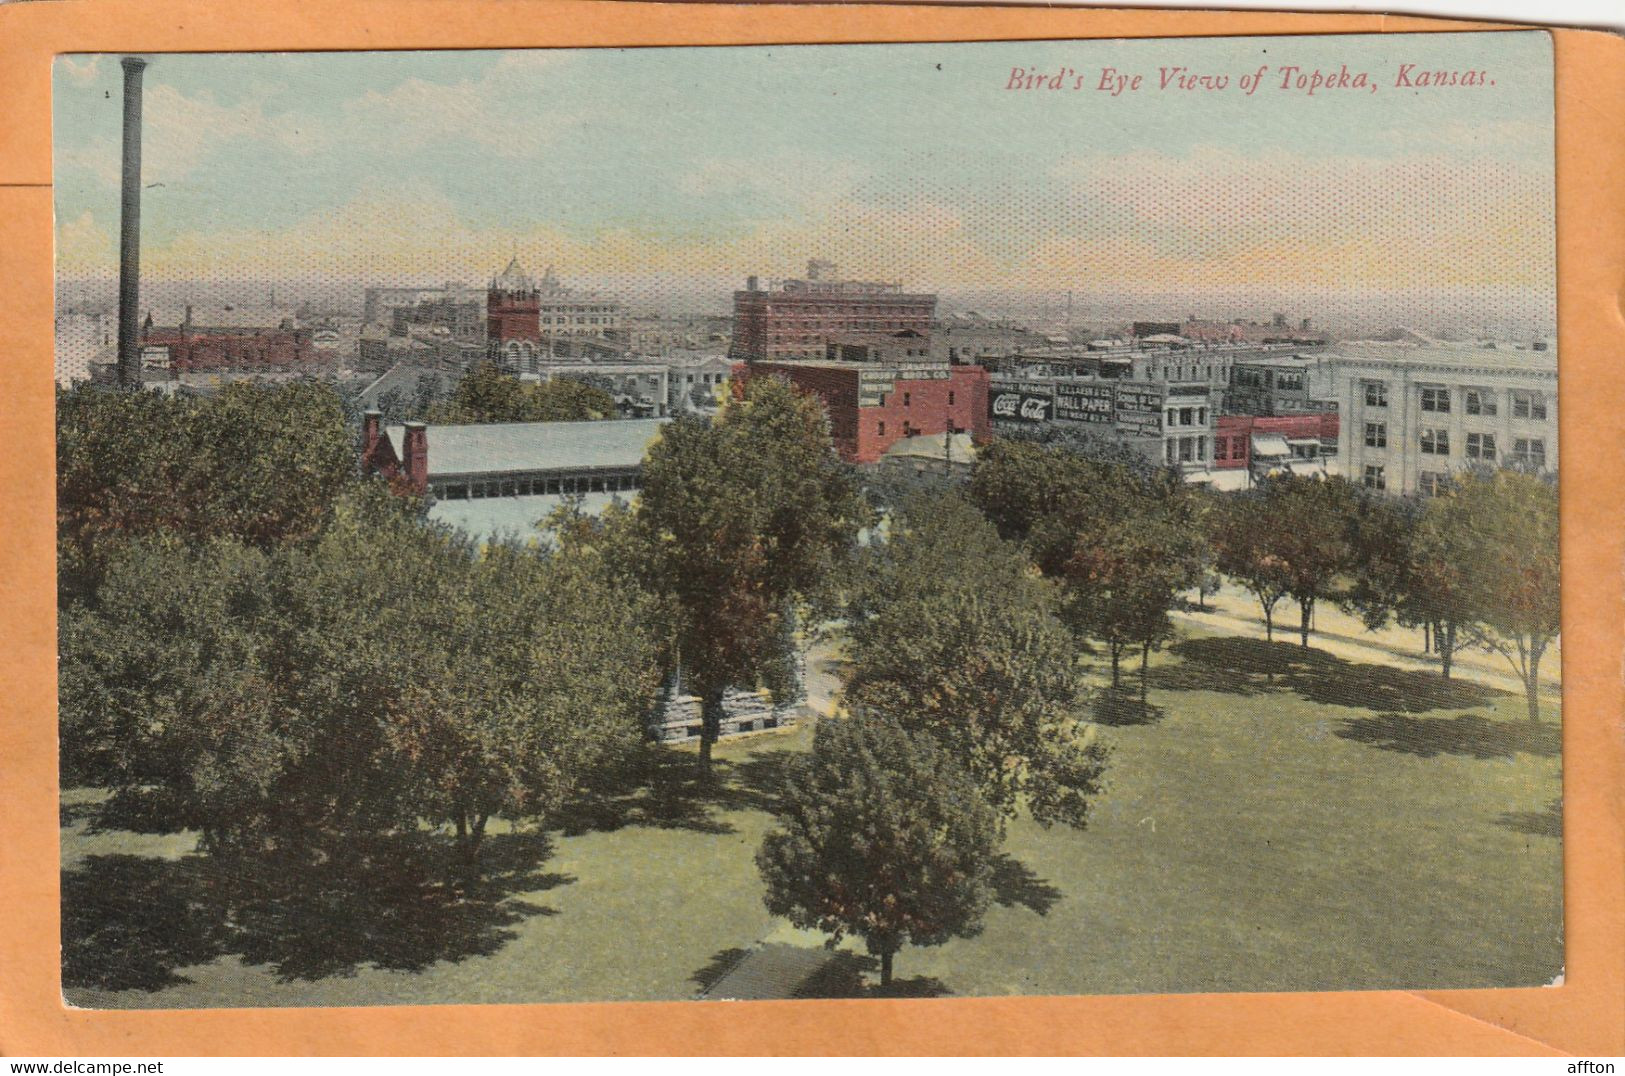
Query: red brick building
[(798, 318), (872, 406), (1241, 441), (513, 319), (255, 339)]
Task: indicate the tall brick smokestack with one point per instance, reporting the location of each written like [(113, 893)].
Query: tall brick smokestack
[(129, 262)]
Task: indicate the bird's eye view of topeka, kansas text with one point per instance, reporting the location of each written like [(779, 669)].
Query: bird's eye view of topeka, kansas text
[(822, 521)]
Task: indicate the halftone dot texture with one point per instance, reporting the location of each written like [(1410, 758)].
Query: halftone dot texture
[(664, 177)]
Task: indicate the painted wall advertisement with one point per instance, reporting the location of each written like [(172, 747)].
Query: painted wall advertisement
[(1083, 402), (1139, 410), (1020, 401)]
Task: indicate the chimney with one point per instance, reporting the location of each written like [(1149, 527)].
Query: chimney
[(129, 266), (750, 283), (371, 422), (415, 449)]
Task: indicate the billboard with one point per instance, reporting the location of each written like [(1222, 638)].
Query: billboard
[(1020, 401), (1139, 410), (1084, 402)]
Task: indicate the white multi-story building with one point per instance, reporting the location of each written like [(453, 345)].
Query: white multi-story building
[(1412, 415)]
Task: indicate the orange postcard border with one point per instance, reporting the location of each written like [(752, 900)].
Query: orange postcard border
[(1585, 1015)]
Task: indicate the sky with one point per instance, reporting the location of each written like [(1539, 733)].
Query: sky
[(659, 171)]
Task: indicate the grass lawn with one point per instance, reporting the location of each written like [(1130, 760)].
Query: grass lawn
[(1276, 819)]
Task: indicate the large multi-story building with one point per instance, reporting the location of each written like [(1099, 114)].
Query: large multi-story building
[(379, 304), (796, 319), (1412, 415), (1286, 384)]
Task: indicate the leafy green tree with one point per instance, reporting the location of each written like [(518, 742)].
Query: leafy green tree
[(1496, 535), (385, 675), (885, 837), (1122, 540), (489, 394), (263, 463), (954, 636), (745, 519), (1239, 534), (1418, 582)]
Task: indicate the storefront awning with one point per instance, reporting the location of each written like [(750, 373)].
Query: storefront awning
[(1269, 445)]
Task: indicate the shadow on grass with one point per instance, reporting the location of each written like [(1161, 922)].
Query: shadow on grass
[(1547, 823), (1253, 666), (1121, 706), (1014, 883), (848, 975), (132, 922), (721, 964), (1470, 735), (658, 787)]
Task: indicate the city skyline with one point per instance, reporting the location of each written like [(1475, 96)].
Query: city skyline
[(669, 174)]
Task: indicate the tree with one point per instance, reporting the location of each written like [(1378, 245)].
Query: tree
[(1416, 576), (385, 675), (954, 636), (263, 463), (1122, 540), (1119, 585), (1289, 536), (884, 837), (1238, 534), (489, 394), (745, 519), (1499, 535)]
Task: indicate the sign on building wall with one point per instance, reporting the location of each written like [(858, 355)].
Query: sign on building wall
[(155, 357), (1139, 410), (1075, 402), (1021, 401)]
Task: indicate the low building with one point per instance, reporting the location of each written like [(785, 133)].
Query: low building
[(698, 381), (498, 461), (872, 406), (640, 389), (259, 339), (1412, 415), (1265, 445), (1280, 385)]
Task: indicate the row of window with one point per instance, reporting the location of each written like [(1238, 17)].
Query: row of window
[(1185, 449), (1437, 399), (1480, 446), (535, 486), (1187, 416)]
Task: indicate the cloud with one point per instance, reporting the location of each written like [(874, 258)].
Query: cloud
[(504, 111), (83, 247), (80, 70)]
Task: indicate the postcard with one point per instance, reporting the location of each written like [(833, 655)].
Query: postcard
[(931, 519)]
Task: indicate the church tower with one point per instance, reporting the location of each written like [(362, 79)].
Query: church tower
[(513, 327)]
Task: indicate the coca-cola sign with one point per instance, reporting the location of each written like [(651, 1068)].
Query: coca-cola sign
[(1021, 404)]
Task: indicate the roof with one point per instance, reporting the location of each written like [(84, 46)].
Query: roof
[(230, 316), (1276, 361), (514, 278), (1464, 356), (495, 448)]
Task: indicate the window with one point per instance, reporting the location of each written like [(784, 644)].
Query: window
[(1374, 478), (1187, 450), (1436, 399), (477, 489), (1376, 435), (1376, 395), (1201, 447), (1480, 402), (553, 485), (1431, 483), (950, 397), (1171, 450), (456, 493), (1290, 382), (1186, 417), (510, 488), (1436, 442), (880, 427), (1481, 446), (1528, 405), (1221, 448), (1530, 452), (907, 398)]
